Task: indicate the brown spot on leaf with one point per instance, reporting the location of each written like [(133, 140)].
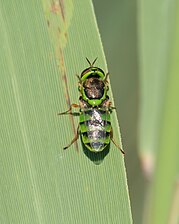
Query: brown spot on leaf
[(61, 4), (48, 23), (66, 92), (57, 6)]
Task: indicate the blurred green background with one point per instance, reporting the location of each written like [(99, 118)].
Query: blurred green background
[(140, 40), (118, 28)]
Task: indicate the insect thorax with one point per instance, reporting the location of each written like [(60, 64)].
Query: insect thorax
[(94, 88)]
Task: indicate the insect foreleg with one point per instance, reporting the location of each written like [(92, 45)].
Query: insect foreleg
[(69, 111), (105, 80)]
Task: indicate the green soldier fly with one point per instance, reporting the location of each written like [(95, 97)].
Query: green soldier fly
[(95, 109)]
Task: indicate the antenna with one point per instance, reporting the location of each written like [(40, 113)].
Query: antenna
[(91, 64)]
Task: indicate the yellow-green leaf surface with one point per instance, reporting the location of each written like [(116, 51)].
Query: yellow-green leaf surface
[(43, 46)]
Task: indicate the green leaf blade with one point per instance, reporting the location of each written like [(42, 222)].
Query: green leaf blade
[(41, 183)]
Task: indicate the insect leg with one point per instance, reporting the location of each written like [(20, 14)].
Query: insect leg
[(70, 109), (105, 80), (111, 136), (112, 108), (74, 140), (108, 104), (78, 78)]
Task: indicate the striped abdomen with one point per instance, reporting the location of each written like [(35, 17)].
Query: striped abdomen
[(95, 126)]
